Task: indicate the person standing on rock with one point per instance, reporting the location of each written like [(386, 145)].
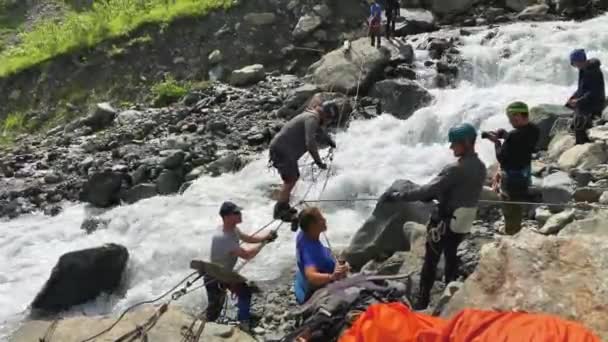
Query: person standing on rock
[(457, 189), (375, 23), (391, 12), (515, 158), (589, 98), (225, 251), (317, 266), (298, 136)]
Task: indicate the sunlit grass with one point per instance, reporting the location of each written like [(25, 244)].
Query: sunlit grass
[(106, 19)]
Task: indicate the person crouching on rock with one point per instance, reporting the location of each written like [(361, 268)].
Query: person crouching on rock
[(457, 188), (375, 23), (297, 137), (512, 181), (225, 251), (316, 265), (590, 96)]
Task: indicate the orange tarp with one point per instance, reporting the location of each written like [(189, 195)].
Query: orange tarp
[(395, 322)]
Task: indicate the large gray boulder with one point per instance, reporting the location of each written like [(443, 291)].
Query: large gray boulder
[(349, 71), (248, 75), (169, 181), (557, 188), (102, 116), (584, 156), (401, 97), (306, 26), (545, 116), (449, 7), (383, 233), (563, 276), (104, 189), (81, 276), (416, 21), (536, 12), (169, 328), (593, 226), (139, 192), (560, 144), (557, 222)]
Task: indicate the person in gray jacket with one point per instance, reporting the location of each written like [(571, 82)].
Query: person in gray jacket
[(300, 135), (457, 189)]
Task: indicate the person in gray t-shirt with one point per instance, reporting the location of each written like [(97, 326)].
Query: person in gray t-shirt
[(225, 251), (298, 136)]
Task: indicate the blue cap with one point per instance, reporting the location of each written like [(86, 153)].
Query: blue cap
[(229, 208), (578, 55), (461, 133)]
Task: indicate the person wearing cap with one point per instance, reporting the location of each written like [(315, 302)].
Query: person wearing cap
[(457, 189), (317, 266), (589, 98), (514, 151), (300, 135), (225, 251), (375, 23)]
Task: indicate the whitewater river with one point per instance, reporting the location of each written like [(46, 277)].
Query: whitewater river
[(164, 233)]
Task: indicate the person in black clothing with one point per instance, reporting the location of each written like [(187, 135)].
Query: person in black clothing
[(515, 157), (590, 96), (392, 12)]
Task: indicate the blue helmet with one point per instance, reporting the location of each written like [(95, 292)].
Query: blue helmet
[(462, 133), (578, 55)]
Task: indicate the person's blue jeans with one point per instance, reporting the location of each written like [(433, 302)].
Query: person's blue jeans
[(243, 294)]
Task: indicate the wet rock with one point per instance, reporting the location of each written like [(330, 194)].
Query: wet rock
[(604, 198), (581, 177), (91, 224), (401, 97), (140, 174), (173, 158), (586, 194), (545, 116), (248, 75), (586, 156), (306, 25), (383, 232), (168, 182), (260, 19), (345, 72), (81, 276), (230, 162), (557, 222), (519, 5), (437, 47), (103, 189), (594, 226), (542, 215), (139, 192), (536, 273), (103, 116)]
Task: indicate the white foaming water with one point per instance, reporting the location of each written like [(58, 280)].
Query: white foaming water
[(163, 234)]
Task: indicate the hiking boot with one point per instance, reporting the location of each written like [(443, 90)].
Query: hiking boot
[(282, 211), (294, 226), (422, 302)]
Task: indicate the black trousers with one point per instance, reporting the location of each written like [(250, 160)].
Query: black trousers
[(582, 122), (391, 15), (447, 243)]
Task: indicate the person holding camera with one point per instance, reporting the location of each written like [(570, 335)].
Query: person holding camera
[(590, 96), (514, 154)]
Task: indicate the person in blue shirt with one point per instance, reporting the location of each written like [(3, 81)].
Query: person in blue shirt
[(375, 22), (316, 265)]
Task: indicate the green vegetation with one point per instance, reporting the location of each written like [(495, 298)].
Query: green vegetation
[(106, 19), (13, 125), (169, 91)]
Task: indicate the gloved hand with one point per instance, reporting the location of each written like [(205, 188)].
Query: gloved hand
[(322, 165), (272, 236), (393, 196), (331, 143)]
